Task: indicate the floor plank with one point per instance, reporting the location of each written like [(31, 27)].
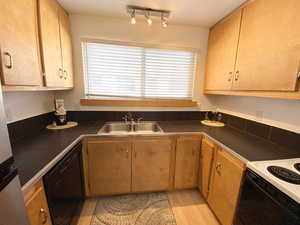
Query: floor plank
[(189, 208), (87, 211)]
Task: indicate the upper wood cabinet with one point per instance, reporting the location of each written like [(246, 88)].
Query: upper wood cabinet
[(66, 48), (151, 164), (221, 56), (187, 162), (37, 206), (259, 43), (55, 44), (108, 166), (225, 186), (268, 56), (20, 64), (207, 154)]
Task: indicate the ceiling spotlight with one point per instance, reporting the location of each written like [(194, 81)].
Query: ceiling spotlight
[(132, 16), (164, 21), (147, 15)]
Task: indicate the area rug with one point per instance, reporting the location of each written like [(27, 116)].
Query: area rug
[(134, 209)]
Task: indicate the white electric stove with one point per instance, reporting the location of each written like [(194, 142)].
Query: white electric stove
[(283, 174)]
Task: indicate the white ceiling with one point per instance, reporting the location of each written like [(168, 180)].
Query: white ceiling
[(193, 12)]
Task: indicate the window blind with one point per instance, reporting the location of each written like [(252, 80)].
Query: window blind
[(128, 71)]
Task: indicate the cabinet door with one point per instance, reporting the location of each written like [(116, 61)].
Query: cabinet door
[(268, 56), (66, 48), (50, 42), (109, 166), (221, 55), (19, 43), (225, 186), (187, 162), (151, 164), (37, 206), (206, 162)]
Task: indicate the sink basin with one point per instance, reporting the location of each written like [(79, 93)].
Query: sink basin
[(147, 127), (137, 128)]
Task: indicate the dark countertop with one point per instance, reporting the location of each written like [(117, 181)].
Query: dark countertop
[(250, 147), (35, 153)]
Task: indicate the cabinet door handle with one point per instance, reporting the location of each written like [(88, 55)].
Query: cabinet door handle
[(8, 63), (60, 73), (230, 76), (218, 168), (127, 152), (237, 75), (65, 74), (44, 216)]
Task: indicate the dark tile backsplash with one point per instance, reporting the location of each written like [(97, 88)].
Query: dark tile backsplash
[(285, 137), (32, 126), (258, 129), (146, 115), (28, 127), (276, 135)]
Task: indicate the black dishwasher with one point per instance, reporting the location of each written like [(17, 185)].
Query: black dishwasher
[(65, 189)]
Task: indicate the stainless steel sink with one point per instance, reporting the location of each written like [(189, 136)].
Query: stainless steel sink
[(147, 127)]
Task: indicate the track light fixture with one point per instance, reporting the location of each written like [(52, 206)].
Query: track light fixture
[(164, 21), (148, 13), (132, 16)]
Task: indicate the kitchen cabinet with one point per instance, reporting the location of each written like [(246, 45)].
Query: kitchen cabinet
[(222, 49), (66, 48), (266, 62), (268, 53), (187, 162), (20, 62), (55, 44), (109, 166), (225, 186), (37, 206), (207, 155), (151, 164)]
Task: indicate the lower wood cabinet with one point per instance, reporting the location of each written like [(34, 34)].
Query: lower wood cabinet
[(206, 162), (37, 206), (225, 186), (108, 166), (187, 162), (151, 164)]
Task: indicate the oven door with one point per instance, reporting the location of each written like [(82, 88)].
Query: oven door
[(263, 204)]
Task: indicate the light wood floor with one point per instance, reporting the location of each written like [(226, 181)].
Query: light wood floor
[(188, 206)]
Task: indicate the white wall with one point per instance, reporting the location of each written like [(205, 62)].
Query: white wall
[(281, 113), (121, 30), (22, 105)]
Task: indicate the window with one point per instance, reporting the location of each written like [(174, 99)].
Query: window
[(113, 70)]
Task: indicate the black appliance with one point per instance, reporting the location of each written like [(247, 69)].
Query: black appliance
[(263, 204), (65, 188)]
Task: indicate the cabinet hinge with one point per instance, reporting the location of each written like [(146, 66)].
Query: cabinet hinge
[(298, 75)]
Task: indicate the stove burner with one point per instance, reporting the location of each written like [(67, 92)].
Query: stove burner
[(284, 174), (297, 166)]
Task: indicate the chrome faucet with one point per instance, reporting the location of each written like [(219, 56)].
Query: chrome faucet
[(128, 118)]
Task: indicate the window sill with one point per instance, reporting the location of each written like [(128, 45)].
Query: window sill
[(128, 102)]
